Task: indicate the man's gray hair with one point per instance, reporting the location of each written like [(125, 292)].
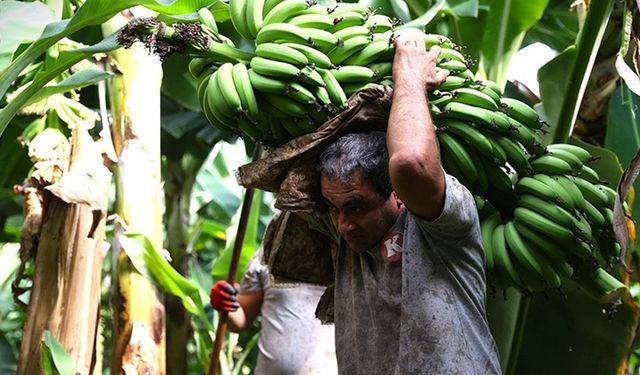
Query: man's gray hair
[(366, 152)]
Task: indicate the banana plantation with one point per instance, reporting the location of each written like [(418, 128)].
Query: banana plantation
[(129, 130)]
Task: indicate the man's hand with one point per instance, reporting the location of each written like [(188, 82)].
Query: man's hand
[(223, 296), (413, 65)]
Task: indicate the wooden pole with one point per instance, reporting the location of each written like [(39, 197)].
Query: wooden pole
[(233, 269)]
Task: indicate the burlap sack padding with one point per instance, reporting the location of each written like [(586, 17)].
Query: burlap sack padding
[(293, 251), (290, 169)]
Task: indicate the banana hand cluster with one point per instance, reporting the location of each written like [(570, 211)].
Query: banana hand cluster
[(560, 226), (309, 59)]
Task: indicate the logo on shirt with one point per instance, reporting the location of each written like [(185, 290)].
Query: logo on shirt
[(391, 247)]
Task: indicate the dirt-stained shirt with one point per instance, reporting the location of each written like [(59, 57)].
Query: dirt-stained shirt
[(416, 303), (292, 341)]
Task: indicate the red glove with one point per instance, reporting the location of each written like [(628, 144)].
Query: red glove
[(223, 296)]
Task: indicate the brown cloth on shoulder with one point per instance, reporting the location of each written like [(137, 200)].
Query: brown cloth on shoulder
[(294, 251), (289, 170)]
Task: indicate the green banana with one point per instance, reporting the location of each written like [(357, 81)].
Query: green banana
[(283, 32), (310, 75), (206, 18), (521, 112), (300, 94), (379, 23), (490, 88), (452, 65), (347, 19), (237, 11), (452, 83), (469, 133), (591, 192), (352, 73), (374, 51), (289, 106), (516, 155), (530, 185), (550, 164), (273, 68), (550, 210), (228, 88), (335, 91), (321, 39), (611, 194), (312, 20), (381, 69), (254, 17), (343, 7), (244, 88), (582, 154), (588, 174), (487, 226), (348, 48), (480, 116), (474, 98), (267, 84), (527, 137), (431, 40), (281, 52), (569, 157), (505, 272), (459, 155), (285, 10), (568, 184), (498, 178), (529, 253), (594, 216), (565, 198), (542, 224), (352, 32), (552, 249), (198, 64), (315, 57), (217, 105)]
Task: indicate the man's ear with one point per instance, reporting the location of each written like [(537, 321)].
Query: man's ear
[(397, 199)]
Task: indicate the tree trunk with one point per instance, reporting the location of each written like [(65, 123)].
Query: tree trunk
[(138, 332), (180, 177), (66, 290)]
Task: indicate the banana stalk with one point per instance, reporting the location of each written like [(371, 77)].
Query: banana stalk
[(192, 39), (138, 333)]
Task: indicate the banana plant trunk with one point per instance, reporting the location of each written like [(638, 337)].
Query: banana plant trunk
[(65, 297), (179, 179), (139, 327)]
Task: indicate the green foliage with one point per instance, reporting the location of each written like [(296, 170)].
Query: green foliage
[(16, 29), (55, 360)]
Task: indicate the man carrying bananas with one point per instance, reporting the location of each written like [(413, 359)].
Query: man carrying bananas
[(410, 279)]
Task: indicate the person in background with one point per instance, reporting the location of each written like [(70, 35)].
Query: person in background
[(410, 284), (292, 341)]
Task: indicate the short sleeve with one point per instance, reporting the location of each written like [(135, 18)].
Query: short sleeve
[(256, 277), (459, 213)]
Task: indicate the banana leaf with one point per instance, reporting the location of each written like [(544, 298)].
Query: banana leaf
[(623, 132), (574, 334), (21, 23), (587, 46), (92, 12), (55, 361), (506, 24)]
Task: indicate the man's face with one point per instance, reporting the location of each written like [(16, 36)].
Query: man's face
[(360, 214)]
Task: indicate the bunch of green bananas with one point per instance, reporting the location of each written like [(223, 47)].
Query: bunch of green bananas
[(308, 60), (561, 227), (550, 217)]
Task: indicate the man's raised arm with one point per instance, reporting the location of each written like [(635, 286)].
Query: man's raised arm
[(414, 162)]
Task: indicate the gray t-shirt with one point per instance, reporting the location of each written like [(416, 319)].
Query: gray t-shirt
[(292, 341), (416, 303)]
